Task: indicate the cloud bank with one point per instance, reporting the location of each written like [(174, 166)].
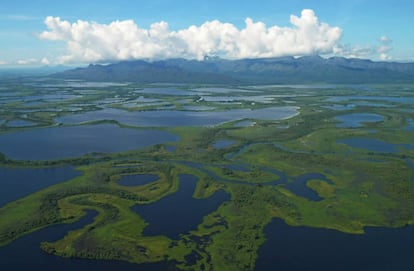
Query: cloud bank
[(124, 40), (381, 50)]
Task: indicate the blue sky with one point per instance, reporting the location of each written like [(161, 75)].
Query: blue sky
[(376, 29)]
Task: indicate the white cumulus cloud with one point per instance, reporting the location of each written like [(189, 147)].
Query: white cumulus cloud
[(124, 40), (45, 61), (384, 48)]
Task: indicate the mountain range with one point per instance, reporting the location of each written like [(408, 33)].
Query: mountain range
[(213, 70)]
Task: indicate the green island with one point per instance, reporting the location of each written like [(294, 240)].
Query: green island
[(255, 166)]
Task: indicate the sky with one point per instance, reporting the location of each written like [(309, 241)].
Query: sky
[(44, 32)]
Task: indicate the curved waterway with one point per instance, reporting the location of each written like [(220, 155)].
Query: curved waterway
[(297, 184), (66, 142), (25, 254), (179, 213), (302, 248), (19, 182)]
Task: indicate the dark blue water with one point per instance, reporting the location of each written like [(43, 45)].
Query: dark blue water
[(179, 213), (20, 123), (298, 185), (302, 248), (25, 254), (171, 118), (64, 142), (138, 179), (375, 145), (16, 183), (357, 119)]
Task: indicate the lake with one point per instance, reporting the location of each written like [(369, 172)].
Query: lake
[(302, 248), (66, 142), (171, 118), (198, 108), (357, 119), (388, 99), (19, 182), (375, 145), (221, 90), (179, 213), (166, 91), (257, 98)]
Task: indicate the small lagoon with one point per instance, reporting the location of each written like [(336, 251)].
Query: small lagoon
[(179, 213)]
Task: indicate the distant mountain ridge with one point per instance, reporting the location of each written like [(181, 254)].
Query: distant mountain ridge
[(306, 69)]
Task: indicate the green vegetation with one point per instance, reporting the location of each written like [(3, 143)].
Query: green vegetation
[(367, 188)]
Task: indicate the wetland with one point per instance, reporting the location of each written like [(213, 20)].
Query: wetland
[(104, 176)]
